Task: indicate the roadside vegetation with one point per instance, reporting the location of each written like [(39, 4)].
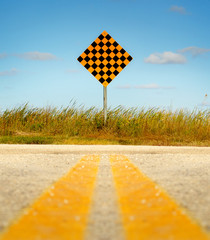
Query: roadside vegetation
[(78, 125)]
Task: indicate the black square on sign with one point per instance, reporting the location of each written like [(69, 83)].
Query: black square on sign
[(87, 66), (101, 37), (80, 59), (101, 65), (108, 79), (108, 72), (115, 58), (108, 51), (115, 44), (101, 58), (101, 80), (108, 37), (108, 58), (115, 65), (122, 58), (87, 51), (108, 65), (101, 72), (87, 59), (94, 51), (101, 51), (108, 44), (94, 44), (94, 66), (116, 72), (129, 58), (122, 65), (94, 73), (94, 58), (115, 51), (101, 44), (122, 51)]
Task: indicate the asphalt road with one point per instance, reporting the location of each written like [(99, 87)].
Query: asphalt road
[(27, 170)]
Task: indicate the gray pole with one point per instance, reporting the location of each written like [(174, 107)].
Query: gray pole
[(105, 105)]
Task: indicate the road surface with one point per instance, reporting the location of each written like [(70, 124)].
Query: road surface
[(119, 189)]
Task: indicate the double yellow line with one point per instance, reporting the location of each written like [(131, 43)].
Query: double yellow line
[(61, 212), (147, 212)]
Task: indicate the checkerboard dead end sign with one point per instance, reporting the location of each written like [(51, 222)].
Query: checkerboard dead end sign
[(104, 59)]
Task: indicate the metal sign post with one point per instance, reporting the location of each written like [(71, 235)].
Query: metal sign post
[(104, 59), (105, 105)]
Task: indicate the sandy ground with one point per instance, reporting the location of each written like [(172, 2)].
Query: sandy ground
[(27, 170)]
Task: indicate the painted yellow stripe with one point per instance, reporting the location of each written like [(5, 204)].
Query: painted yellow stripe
[(62, 211), (147, 211)]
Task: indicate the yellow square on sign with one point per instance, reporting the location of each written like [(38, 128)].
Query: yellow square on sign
[(104, 58)]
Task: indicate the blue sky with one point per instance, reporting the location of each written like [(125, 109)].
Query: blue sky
[(169, 41)]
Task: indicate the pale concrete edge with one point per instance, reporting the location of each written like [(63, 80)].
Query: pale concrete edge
[(67, 149)]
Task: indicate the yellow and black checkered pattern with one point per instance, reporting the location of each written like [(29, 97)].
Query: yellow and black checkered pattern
[(104, 58)]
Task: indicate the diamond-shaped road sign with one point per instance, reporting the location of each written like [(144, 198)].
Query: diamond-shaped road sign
[(104, 58)]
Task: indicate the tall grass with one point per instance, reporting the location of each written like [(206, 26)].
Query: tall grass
[(129, 126)]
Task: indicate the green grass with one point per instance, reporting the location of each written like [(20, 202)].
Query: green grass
[(78, 125)]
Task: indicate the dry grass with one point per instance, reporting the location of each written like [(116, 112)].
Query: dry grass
[(78, 125)]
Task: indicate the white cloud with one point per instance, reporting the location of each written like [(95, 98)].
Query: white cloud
[(205, 102), (195, 51), (3, 55), (11, 72), (72, 70), (165, 58), (38, 56), (178, 9), (124, 87), (145, 86), (152, 86), (148, 86)]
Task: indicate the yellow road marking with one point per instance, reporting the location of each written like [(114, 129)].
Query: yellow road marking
[(147, 211), (62, 211)]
